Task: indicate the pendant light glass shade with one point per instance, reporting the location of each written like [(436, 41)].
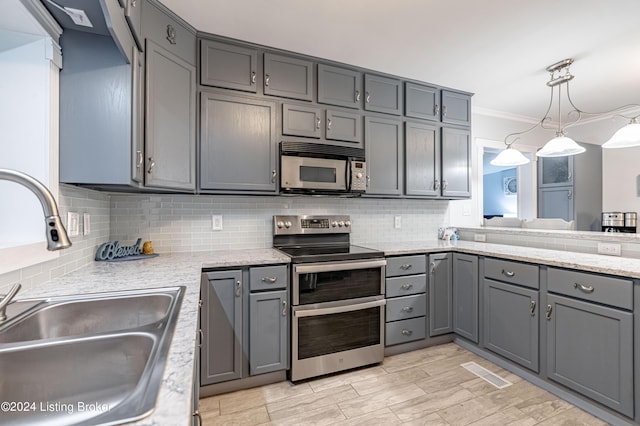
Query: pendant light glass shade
[(626, 137), (560, 146), (509, 157)]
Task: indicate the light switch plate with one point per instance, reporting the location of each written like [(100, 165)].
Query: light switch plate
[(216, 222), (397, 222), (86, 219), (73, 224)]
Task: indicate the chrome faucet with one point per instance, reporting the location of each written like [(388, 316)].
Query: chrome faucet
[(5, 301), (57, 237)]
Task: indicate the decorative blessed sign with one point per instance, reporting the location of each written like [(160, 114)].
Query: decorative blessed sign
[(112, 251)]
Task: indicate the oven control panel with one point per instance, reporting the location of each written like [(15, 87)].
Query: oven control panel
[(308, 224)]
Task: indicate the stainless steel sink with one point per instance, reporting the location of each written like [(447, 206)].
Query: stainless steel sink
[(107, 371), (64, 317)]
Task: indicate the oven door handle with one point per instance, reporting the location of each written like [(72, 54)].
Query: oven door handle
[(314, 312), (338, 266)]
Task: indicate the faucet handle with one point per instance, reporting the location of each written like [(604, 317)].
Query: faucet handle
[(6, 299)]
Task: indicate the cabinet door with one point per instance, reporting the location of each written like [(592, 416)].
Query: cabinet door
[(456, 163), (440, 294), (228, 66), (301, 121), (339, 86), (555, 171), (137, 116), (422, 102), (133, 15), (422, 159), (268, 331), (384, 154), (238, 143), (288, 77), (344, 126), (170, 122), (511, 322), (556, 202), (382, 94), (456, 108), (465, 296), (221, 320), (590, 350)]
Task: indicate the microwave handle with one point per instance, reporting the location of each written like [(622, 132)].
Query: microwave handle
[(347, 173)]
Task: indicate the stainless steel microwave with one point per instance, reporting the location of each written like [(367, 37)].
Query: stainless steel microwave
[(322, 169)]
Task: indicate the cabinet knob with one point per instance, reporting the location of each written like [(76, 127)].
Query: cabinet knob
[(569, 194), (532, 308), (406, 266), (238, 288), (436, 109), (368, 98), (444, 111), (548, 313), (407, 332), (433, 267), (284, 308), (407, 286), (318, 121), (407, 309), (171, 34), (133, 3), (253, 77), (266, 79), (152, 164), (509, 274), (328, 124), (274, 173), (357, 96)]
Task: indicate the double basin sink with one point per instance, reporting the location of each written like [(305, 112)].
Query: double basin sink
[(85, 360)]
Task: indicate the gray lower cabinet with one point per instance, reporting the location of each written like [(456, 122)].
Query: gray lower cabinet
[(422, 159), (556, 202), (590, 350), (339, 86), (465, 296), (456, 108), (228, 66), (456, 163), (440, 294), (382, 94), (268, 331), (288, 77), (511, 322), (384, 155), (237, 143), (170, 122), (221, 324)]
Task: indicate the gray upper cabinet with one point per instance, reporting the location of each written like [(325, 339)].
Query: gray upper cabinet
[(221, 323), (382, 94), (440, 294), (456, 108), (422, 159), (344, 126), (268, 331), (167, 32), (170, 122), (339, 86), (237, 143), (288, 77), (456, 163), (228, 66), (422, 101), (556, 202), (300, 120), (384, 155), (465, 296), (555, 171)]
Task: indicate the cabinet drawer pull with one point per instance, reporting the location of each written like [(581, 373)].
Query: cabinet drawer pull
[(238, 288), (444, 184), (266, 79), (406, 266), (269, 280), (436, 184), (253, 77), (328, 124), (585, 288), (407, 332), (139, 160), (171, 34), (201, 337), (407, 309), (433, 267), (444, 111), (548, 314), (509, 274), (357, 96), (436, 109), (532, 309), (407, 286), (318, 120), (284, 308)]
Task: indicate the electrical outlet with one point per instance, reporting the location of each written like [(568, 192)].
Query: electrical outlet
[(608, 248), (86, 219), (480, 237), (397, 222), (216, 222), (73, 224)]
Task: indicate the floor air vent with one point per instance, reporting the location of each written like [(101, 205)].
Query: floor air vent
[(486, 375)]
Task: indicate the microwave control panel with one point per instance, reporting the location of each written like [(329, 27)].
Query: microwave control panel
[(358, 176)]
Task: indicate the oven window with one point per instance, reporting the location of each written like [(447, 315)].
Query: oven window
[(326, 334), (339, 285), (317, 174)]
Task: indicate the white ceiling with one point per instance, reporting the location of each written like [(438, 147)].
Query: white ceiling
[(497, 49)]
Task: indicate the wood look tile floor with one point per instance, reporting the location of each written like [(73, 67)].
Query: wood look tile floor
[(424, 387)]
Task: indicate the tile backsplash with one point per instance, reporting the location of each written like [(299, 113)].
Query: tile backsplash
[(183, 223)]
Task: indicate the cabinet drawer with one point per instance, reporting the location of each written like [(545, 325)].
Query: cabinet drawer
[(267, 277), (406, 265), (597, 288), (168, 33), (401, 308), (405, 331), (404, 286), (512, 272)]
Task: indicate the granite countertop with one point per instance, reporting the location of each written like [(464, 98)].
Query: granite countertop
[(622, 266), (174, 404)]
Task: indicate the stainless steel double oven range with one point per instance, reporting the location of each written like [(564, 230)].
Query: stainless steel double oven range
[(337, 295)]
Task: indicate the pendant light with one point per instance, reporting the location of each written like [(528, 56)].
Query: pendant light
[(625, 137), (509, 157)]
